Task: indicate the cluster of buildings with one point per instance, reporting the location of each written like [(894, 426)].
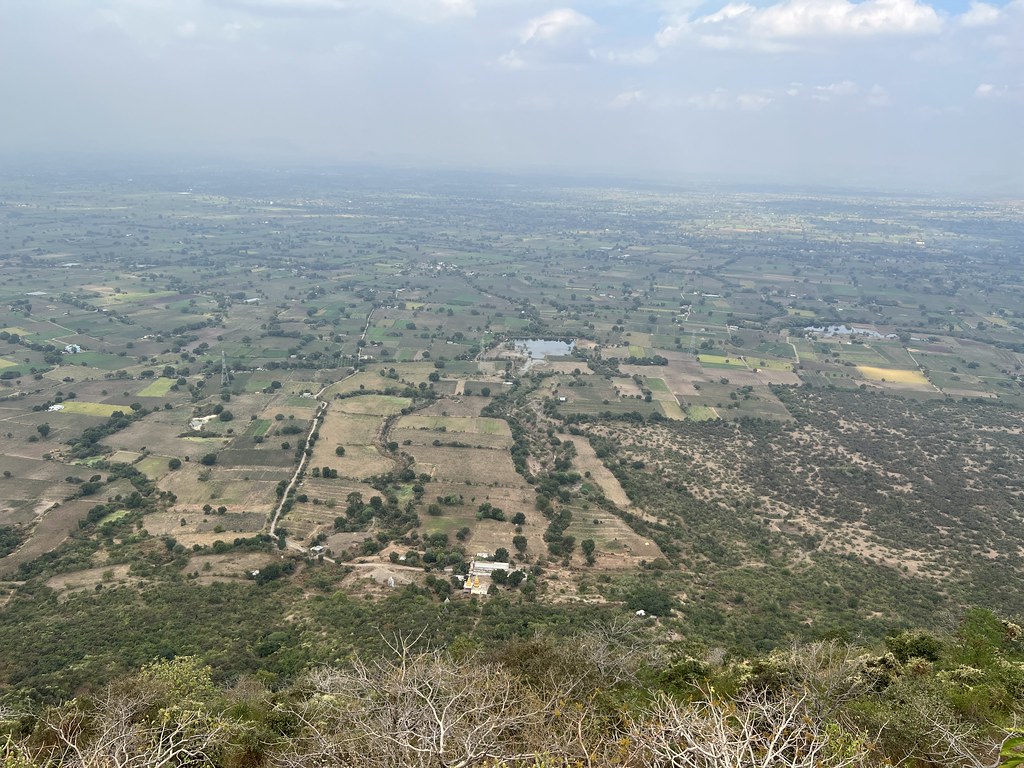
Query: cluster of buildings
[(478, 580)]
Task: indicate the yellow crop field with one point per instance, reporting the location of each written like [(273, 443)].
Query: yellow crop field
[(93, 409), (899, 376), (6, 363)]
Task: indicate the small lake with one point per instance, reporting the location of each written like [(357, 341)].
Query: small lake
[(539, 349)]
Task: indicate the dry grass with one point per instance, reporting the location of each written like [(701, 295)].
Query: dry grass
[(378, 405), (465, 424)]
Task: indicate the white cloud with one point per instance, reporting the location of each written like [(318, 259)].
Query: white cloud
[(637, 57), (771, 27), (990, 91), (980, 15), (512, 60), (554, 25), (716, 99), (626, 99), (459, 7), (878, 96), (285, 7), (420, 9), (722, 99), (187, 29), (752, 102), (835, 90)]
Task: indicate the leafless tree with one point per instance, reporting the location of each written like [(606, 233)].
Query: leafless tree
[(831, 673), (760, 730), (957, 744), (417, 711), (122, 729), (616, 649)]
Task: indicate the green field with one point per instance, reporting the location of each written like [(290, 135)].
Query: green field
[(721, 360), (700, 413), (92, 409), (158, 388)]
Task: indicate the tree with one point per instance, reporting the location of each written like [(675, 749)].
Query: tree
[(209, 459), (519, 542), (587, 545), (339, 451), (418, 711), (43, 429), (174, 464), (161, 718), (761, 728), (501, 555)]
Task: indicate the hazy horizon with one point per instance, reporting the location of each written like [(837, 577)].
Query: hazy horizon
[(884, 94)]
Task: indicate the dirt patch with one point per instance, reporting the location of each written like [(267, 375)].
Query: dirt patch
[(51, 530), (586, 461)]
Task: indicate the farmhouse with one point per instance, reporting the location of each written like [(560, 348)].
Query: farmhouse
[(72, 349)]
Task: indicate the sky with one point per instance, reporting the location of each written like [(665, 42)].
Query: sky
[(904, 95)]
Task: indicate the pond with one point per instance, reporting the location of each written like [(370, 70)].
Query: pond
[(539, 349)]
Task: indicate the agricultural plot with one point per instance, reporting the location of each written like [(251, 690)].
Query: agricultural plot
[(461, 424), (894, 376), (53, 524), (374, 405), (617, 546), (375, 296), (356, 434), (204, 528), (587, 463), (485, 535), (90, 409), (158, 388)]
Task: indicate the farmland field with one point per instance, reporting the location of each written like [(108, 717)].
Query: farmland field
[(889, 374), (790, 416), (158, 388), (90, 409)]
